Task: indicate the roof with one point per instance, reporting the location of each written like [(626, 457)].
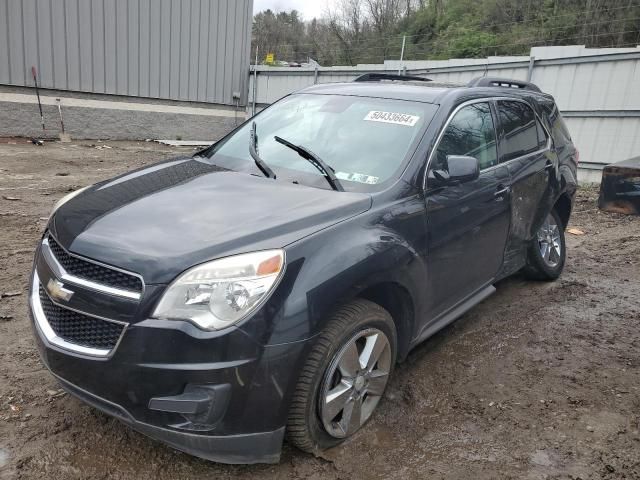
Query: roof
[(427, 93)]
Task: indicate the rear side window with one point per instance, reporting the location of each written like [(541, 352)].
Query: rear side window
[(520, 130), (559, 129), (470, 133)]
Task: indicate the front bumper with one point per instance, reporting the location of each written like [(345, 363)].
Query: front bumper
[(157, 363), (234, 449)]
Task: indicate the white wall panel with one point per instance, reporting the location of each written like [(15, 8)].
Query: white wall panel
[(605, 140), (599, 96)]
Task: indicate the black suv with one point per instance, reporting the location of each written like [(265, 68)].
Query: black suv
[(269, 284)]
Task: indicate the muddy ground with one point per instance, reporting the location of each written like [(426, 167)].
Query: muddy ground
[(542, 380)]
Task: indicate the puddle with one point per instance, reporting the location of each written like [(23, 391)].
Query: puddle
[(4, 457)]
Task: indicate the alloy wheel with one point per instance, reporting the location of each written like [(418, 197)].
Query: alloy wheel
[(355, 382), (549, 242)]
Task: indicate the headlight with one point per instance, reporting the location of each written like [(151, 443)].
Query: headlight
[(218, 294), (66, 198)]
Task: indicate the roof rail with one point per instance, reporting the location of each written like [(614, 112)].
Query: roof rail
[(377, 77), (503, 82)]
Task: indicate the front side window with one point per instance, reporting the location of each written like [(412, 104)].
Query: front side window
[(521, 132), (471, 133), (366, 141)]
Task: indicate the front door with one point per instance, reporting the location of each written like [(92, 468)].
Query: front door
[(467, 223)]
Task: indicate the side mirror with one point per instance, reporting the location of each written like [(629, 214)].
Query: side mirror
[(460, 169)]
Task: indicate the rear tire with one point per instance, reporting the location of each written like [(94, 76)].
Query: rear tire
[(546, 253), (361, 328)]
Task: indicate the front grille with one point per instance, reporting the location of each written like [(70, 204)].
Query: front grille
[(93, 272), (74, 327)]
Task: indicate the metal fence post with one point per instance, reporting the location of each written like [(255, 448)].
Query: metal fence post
[(255, 82), (255, 90), (404, 39), (532, 61)]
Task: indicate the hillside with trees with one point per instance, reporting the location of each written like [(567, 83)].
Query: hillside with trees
[(370, 31)]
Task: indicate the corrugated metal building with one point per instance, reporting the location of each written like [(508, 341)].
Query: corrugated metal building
[(193, 50)]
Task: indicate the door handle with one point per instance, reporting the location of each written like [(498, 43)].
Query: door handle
[(501, 191)]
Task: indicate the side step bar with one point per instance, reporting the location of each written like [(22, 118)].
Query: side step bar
[(449, 316)]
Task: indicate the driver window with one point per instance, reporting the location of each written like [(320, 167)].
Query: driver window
[(469, 133)]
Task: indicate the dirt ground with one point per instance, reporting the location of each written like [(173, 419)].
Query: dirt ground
[(542, 380)]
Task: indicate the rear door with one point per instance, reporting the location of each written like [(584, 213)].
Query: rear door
[(524, 147), (467, 223)]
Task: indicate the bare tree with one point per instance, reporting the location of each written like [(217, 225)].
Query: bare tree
[(384, 14), (347, 24)]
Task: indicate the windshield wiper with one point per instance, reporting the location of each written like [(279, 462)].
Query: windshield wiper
[(316, 161), (253, 150)]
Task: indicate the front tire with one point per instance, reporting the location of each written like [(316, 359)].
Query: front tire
[(547, 251), (344, 377)]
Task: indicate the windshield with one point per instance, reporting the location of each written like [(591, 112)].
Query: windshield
[(365, 140)]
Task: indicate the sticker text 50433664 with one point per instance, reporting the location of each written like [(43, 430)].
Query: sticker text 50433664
[(391, 117)]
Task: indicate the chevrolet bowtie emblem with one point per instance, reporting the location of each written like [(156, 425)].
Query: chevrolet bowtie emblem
[(57, 291)]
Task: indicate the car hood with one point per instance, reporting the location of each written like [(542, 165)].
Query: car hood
[(162, 220)]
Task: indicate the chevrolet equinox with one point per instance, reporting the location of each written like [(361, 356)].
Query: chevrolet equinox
[(266, 286)]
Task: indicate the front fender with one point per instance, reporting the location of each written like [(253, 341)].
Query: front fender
[(337, 264)]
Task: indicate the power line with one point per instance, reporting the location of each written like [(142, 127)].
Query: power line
[(374, 54), (601, 10), (525, 39), (529, 41), (490, 26)]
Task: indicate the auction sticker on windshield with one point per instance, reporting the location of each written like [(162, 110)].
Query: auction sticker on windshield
[(391, 117)]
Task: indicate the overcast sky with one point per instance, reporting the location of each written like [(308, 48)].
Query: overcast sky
[(308, 8)]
